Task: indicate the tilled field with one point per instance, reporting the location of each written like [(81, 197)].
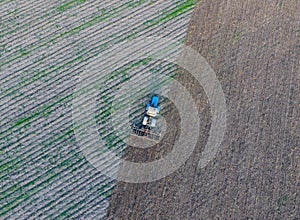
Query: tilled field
[(253, 46)]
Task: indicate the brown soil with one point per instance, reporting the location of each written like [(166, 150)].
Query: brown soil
[(253, 46)]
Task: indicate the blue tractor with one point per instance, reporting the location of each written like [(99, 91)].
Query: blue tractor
[(149, 121), (152, 110)]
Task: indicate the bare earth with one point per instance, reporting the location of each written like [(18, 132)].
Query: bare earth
[(253, 46)]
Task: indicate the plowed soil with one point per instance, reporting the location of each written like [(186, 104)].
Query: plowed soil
[(253, 46)]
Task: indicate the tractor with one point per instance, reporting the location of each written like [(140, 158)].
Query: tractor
[(149, 120), (152, 110)]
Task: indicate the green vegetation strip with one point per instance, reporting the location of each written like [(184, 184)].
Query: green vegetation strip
[(44, 73), (70, 5), (106, 15), (51, 176)]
